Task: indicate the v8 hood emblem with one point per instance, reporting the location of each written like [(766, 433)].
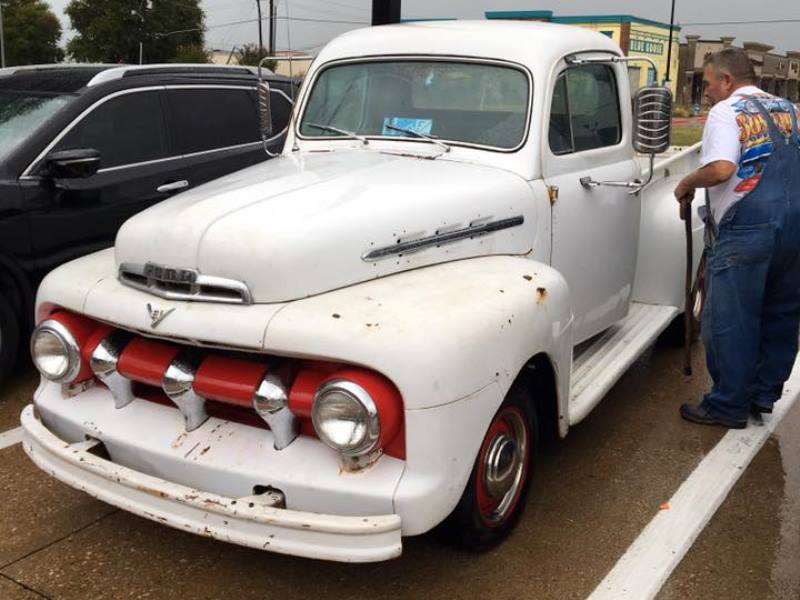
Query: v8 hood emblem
[(157, 315)]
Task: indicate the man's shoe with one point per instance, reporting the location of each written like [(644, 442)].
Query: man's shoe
[(697, 413), (757, 410)]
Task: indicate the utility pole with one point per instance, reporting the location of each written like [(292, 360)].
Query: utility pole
[(260, 33), (669, 49), (2, 41), (272, 27), (385, 12)]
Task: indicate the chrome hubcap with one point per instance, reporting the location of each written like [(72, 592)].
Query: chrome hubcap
[(504, 465), (502, 462)]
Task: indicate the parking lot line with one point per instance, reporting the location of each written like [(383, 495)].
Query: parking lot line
[(650, 560), (10, 437)]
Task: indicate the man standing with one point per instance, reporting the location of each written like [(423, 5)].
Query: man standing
[(751, 169)]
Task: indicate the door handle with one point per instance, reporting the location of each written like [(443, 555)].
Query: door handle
[(172, 186)]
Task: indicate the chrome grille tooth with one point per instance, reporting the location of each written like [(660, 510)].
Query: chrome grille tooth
[(271, 402), (103, 362), (177, 384)]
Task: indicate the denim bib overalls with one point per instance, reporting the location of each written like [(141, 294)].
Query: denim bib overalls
[(752, 311)]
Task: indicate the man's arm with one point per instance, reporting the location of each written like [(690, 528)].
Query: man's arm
[(709, 175)]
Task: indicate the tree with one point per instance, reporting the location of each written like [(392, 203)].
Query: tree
[(31, 33), (191, 54), (251, 54), (111, 30)]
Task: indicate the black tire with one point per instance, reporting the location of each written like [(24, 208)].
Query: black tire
[(469, 525), (9, 338)]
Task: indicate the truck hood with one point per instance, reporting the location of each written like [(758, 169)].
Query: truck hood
[(307, 223)]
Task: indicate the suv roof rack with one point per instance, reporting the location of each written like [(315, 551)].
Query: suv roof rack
[(119, 72)]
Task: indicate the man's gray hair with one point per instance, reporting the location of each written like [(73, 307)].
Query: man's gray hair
[(733, 61)]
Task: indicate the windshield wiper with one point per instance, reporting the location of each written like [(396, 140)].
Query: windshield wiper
[(423, 136), (349, 134)]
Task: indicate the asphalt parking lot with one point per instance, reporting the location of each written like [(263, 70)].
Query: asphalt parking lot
[(595, 493)]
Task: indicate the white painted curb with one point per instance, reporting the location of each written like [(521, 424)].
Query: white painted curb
[(650, 560), (10, 437)]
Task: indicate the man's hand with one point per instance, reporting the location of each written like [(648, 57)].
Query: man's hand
[(684, 190)]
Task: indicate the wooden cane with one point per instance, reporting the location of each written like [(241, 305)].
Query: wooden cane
[(688, 317)]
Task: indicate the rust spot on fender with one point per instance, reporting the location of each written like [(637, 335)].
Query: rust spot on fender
[(541, 294), (527, 277), (204, 450)]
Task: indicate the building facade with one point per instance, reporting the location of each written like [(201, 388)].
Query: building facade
[(777, 74), (636, 37)]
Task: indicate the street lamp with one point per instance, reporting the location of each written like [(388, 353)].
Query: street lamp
[(143, 5)]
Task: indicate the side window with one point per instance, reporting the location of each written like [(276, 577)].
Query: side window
[(560, 128), (281, 109), (585, 110), (208, 119), (125, 130)]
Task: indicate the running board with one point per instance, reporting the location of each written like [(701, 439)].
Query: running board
[(607, 357)]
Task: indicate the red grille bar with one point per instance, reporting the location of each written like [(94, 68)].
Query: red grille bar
[(228, 379), (146, 361)]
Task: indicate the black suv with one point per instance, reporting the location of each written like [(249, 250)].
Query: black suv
[(84, 147)]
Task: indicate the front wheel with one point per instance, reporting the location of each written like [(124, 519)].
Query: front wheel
[(498, 485)]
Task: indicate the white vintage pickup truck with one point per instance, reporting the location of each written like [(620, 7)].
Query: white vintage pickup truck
[(363, 339)]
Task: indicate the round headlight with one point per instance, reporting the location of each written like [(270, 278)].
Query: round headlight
[(345, 417), (55, 352)]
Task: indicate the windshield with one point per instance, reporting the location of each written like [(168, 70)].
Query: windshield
[(455, 102), (21, 113)]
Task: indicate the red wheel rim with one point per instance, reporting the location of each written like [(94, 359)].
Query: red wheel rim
[(502, 466)]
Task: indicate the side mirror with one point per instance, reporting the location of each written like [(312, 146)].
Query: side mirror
[(264, 110), (652, 120), (71, 164)]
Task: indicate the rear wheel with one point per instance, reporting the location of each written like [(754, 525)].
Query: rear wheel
[(9, 337), (498, 485)]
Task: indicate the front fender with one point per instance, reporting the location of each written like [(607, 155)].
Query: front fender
[(439, 333), (453, 338)]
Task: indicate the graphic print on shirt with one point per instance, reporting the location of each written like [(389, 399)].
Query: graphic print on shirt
[(754, 136)]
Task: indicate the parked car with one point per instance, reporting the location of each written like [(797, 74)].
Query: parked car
[(363, 339), (82, 148)]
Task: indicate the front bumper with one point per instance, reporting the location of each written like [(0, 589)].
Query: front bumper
[(248, 521)]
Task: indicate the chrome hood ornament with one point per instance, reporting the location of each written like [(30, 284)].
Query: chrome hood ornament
[(157, 315)]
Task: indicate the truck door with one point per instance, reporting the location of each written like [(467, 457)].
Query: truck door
[(595, 229)]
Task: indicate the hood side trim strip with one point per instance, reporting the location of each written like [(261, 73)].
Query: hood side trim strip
[(442, 238)]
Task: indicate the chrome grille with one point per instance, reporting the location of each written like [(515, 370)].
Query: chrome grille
[(174, 283)]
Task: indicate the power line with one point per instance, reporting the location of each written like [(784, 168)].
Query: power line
[(247, 21), (757, 22), (304, 19)]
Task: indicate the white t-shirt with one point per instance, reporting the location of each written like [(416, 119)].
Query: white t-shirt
[(737, 132)]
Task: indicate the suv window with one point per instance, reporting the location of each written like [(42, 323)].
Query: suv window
[(125, 130), (585, 112), (209, 119)]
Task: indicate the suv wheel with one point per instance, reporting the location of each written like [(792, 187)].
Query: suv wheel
[(9, 337)]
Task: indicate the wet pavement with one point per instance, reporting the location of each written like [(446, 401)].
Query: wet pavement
[(593, 494)]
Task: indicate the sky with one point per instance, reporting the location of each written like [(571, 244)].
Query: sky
[(300, 23)]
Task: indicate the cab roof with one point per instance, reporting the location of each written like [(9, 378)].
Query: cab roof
[(529, 43)]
